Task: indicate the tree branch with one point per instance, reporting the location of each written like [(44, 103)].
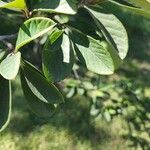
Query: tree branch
[(8, 37)]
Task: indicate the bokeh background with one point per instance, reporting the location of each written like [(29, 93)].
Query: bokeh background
[(117, 119)]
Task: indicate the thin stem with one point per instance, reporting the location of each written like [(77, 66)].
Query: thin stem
[(8, 37)]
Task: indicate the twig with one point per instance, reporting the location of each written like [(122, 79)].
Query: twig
[(8, 37), (9, 45)]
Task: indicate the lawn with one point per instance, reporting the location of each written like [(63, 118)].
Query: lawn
[(70, 129)]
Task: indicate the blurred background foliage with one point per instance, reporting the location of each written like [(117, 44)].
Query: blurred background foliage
[(100, 112)]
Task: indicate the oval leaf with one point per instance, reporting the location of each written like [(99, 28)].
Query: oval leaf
[(58, 58), (98, 57), (38, 107), (9, 67), (40, 87), (113, 30), (5, 103), (32, 29)]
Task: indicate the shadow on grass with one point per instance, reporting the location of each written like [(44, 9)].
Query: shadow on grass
[(138, 121), (137, 71), (74, 116)]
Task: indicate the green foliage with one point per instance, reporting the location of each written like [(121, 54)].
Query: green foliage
[(32, 29), (56, 6), (39, 107), (37, 84), (140, 8), (5, 102), (95, 53), (59, 27), (58, 47), (9, 67), (16, 4)]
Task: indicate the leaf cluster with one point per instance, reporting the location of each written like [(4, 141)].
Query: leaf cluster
[(73, 31)]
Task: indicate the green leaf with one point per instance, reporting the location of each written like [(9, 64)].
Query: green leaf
[(9, 67), (5, 103), (61, 18), (98, 56), (2, 51), (32, 29), (143, 4), (58, 57), (2, 54), (57, 6), (38, 107), (66, 48), (135, 10), (16, 4), (40, 87), (113, 30), (82, 19)]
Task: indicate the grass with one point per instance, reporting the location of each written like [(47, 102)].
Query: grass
[(70, 129)]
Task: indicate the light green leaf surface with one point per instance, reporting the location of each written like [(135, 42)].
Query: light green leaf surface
[(143, 4), (98, 57), (66, 48), (16, 4), (9, 67), (135, 10), (5, 102), (57, 6), (113, 30), (32, 29)]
